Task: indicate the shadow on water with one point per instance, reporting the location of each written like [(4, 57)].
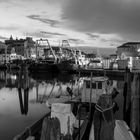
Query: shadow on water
[(48, 76)]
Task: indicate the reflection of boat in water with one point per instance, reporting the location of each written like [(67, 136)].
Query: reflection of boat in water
[(56, 91)]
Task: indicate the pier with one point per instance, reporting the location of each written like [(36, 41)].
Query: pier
[(112, 74)]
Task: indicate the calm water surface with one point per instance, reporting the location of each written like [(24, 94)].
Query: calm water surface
[(22, 99)]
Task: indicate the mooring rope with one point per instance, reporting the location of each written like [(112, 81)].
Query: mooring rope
[(100, 109)]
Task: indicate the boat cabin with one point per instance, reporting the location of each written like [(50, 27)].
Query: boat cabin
[(99, 87)]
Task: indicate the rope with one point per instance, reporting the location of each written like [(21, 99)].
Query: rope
[(100, 109)]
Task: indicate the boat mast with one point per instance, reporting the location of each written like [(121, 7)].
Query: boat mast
[(67, 44), (46, 40)]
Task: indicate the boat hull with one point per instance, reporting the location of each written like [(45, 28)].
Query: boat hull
[(67, 66)]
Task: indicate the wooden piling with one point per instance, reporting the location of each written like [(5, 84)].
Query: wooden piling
[(103, 120), (135, 106), (23, 83), (127, 97), (90, 94)]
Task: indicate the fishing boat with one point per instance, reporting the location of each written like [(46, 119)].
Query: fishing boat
[(100, 85), (81, 110), (47, 61), (73, 63), (95, 63), (68, 65), (72, 59)]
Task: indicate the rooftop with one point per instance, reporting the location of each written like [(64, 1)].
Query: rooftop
[(128, 44)]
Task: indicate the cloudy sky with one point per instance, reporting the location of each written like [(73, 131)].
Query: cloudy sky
[(95, 23)]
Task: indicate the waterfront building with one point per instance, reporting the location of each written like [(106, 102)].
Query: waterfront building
[(3, 49), (113, 57), (22, 47), (127, 50)]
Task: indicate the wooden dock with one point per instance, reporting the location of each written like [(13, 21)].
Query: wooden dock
[(115, 74)]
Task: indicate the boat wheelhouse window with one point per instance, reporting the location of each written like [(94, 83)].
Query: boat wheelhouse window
[(88, 85), (94, 85), (100, 85)]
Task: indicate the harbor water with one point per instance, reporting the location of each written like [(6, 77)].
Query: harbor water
[(23, 98)]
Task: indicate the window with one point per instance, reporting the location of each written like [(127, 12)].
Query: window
[(100, 85), (94, 85), (87, 84)]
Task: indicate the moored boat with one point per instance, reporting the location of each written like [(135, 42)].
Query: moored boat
[(82, 109)]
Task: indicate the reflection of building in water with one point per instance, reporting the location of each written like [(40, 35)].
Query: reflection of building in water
[(23, 90), (2, 79)]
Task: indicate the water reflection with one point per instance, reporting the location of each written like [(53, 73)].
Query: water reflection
[(23, 95), (44, 85), (23, 100)]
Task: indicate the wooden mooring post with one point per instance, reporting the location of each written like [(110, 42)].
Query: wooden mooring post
[(131, 106), (127, 97), (135, 105), (103, 120)]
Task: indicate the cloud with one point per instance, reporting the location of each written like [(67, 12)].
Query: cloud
[(44, 34), (93, 36), (37, 34), (104, 16), (74, 40), (3, 38), (51, 22), (52, 33)]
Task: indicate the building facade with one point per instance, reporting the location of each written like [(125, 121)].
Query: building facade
[(3, 49), (126, 50), (22, 47)]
